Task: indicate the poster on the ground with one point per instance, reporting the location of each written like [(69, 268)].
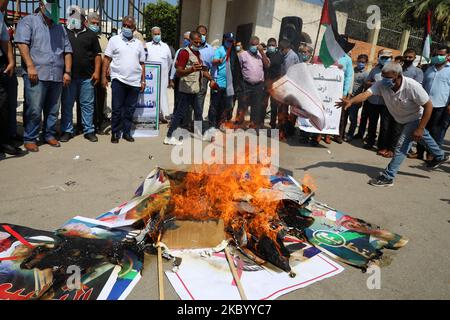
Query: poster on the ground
[(146, 116), (329, 83), (208, 277)]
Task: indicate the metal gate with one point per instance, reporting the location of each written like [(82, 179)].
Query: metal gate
[(111, 11)]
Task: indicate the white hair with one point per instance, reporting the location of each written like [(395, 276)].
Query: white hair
[(187, 33), (393, 67), (93, 15), (156, 28)]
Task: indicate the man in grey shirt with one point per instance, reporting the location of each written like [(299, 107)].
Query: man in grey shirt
[(47, 57)]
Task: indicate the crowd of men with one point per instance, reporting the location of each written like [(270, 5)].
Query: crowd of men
[(76, 63)]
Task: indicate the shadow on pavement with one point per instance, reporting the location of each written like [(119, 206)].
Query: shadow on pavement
[(358, 168)]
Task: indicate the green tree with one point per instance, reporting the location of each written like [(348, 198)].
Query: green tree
[(165, 16), (416, 13)]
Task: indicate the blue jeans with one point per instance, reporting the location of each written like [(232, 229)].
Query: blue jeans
[(124, 102), (185, 101), (43, 97), (85, 90), (404, 145)]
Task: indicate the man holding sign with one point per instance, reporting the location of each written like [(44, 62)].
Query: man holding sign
[(411, 106)]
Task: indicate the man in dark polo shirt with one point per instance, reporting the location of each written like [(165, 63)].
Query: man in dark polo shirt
[(86, 72)]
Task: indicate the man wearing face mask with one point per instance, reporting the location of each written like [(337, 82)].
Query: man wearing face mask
[(228, 82), (190, 70), (305, 52), (126, 57), (359, 79), (47, 60), (159, 51), (411, 106), (174, 80), (409, 69), (101, 110), (437, 85), (207, 55), (272, 74), (253, 62), (375, 104), (86, 74)]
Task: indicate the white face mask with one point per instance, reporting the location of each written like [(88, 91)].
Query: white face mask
[(74, 24)]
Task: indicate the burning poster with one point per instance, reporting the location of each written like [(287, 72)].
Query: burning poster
[(207, 277), (348, 239)]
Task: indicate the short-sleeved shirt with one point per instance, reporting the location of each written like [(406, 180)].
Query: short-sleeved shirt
[(375, 76), (414, 73), (48, 45), (86, 48), (252, 67), (406, 104), (127, 56), (221, 74), (359, 80), (4, 35), (437, 84)]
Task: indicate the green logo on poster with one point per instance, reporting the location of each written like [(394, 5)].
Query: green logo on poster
[(329, 238)]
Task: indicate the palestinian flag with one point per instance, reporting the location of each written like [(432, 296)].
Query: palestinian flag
[(331, 49), (426, 54)]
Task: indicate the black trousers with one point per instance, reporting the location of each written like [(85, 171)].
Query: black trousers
[(99, 108), (363, 121), (374, 112), (435, 126), (4, 109), (390, 131), (252, 96)]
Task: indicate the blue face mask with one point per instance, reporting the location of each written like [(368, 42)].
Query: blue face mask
[(271, 49), (384, 61), (388, 83), (361, 65), (438, 59), (203, 39), (253, 49), (186, 43), (94, 28), (227, 44), (194, 48), (127, 33), (157, 38)]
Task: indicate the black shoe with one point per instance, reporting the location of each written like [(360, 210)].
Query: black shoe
[(368, 147), (128, 138), (66, 137), (115, 139), (381, 181), (11, 150), (358, 137), (91, 137), (433, 164)]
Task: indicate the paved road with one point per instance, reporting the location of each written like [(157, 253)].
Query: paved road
[(33, 192)]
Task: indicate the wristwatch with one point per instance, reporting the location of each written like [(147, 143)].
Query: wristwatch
[(69, 73)]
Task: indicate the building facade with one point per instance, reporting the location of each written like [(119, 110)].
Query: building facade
[(252, 17)]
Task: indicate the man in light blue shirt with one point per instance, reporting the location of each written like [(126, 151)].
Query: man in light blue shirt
[(47, 60), (207, 55), (437, 85)]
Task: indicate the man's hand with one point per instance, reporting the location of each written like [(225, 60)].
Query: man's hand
[(95, 78), (32, 74), (345, 103), (418, 134), (171, 84), (105, 82), (260, 48), (143, 86), (196, 67), (10, 70), (66, 79), (213, 85)]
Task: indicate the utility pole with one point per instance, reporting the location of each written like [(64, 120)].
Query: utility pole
[(131, 8)]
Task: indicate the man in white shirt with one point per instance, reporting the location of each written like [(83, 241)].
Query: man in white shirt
[(410, 105), (158, 51), (125, 56)]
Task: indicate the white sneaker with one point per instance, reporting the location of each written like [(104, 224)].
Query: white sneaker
[(172, 141)]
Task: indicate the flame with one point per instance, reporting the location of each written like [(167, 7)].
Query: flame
[(309, 182), (228, 192)]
